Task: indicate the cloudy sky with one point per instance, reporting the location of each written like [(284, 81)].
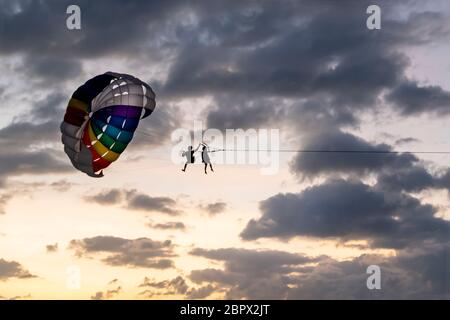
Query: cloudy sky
[(308, 68)]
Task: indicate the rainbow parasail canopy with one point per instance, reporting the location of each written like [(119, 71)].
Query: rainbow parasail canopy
[(101, 118)]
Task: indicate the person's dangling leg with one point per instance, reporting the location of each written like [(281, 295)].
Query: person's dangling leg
[(210, 165), (185, 165), (206, 166)]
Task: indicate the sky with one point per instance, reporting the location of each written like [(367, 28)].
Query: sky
[(310, 69)]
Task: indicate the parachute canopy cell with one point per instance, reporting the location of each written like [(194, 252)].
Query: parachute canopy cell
[(101, 118)]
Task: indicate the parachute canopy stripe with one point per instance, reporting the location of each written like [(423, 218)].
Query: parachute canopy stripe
[(97, 162), (127, 111), (92, 87), (75, 116), (107, 141), (121, 111), (101, 149), (101, 118), (115, 133), (127, 124), (78, 104), (121, 122)]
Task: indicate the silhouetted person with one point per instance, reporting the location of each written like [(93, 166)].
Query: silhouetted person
[(205, 159), (189, 154)]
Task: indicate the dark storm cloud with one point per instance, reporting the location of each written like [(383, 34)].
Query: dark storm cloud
[(134, 200), (239, 260), (108, 27), (48, 70), (317, 115), (249, 273), (143, 202), (328, 53), (422, 275), (411, 98), (115, 251), (256, 49), (39, 162), (175, 286), (13, 269), (19, 135), (223, 47), (37, 31), (50, 108), (410, 179), (312, 164), (36, 163), (22, 155), (349, 211), (28, 142), (395, 172), (234, 112), (3, 96), (419, 274), (310, 115), (444, 180), (347, 65)]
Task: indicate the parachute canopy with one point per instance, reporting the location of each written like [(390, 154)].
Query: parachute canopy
[(101, 118)]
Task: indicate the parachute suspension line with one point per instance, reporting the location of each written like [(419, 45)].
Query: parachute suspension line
[(319, 150), (333, 151), (145, 133)]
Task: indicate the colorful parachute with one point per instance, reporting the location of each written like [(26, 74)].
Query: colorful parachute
[(101, 119)]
